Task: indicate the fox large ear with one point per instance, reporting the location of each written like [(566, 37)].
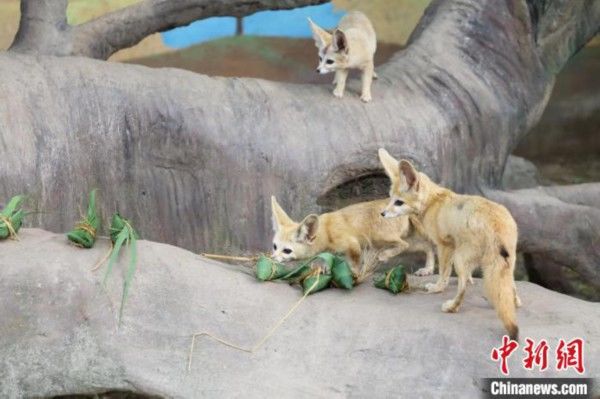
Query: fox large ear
[(390, 164), (409, 174), (321, 36), (308, 229), (340, 43), (280, 218)]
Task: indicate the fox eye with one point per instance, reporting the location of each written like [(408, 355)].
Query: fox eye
[(287, 251), (398, 203), (275, 247), (329, 62)]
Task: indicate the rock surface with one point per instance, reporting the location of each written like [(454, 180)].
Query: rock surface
[(59, 335), (520, 173)]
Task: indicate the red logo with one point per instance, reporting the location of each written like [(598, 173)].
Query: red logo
[(503, 353), (536, 356), (568, 354)]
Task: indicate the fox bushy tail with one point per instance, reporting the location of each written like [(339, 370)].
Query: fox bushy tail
[(498, 281)]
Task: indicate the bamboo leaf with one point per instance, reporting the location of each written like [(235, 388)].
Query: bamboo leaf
[(14, 203), (122, 236), (130, 270)]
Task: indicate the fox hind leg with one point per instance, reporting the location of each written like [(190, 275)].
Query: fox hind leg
[(465, 261), (452, 305), (518, 302)]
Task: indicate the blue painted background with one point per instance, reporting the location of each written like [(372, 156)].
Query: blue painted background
[(286, 23)]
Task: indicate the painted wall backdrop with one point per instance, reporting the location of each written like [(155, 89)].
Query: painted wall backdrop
[(394, 24)]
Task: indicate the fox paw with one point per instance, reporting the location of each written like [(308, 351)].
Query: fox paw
[(338, 93), (424, 271), (386, 255), (321, 266), (449, 306), (366, 98), (433, 288), (383, 258)]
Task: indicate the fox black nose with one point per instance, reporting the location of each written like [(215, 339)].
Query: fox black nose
[(317, 70), (383, 213)]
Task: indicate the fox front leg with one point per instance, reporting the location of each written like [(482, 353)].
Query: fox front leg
[(367, 79), (398, 248), (353, 254), (340, 82), (445, 266), (429, 263)]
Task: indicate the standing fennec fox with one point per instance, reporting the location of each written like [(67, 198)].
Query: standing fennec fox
[(468, 231), (352, 45), (348, 230)]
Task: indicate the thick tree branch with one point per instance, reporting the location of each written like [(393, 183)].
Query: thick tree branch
[(126, 27), (193, 159), (546, 272), (561, 27), (565, 233), (587, 194), (43, 28)]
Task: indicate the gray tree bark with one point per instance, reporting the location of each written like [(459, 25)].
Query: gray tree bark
[(557, 227), (193, 159)]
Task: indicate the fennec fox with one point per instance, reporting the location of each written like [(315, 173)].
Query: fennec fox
[(352, 45), (468, 231), (347, 231)]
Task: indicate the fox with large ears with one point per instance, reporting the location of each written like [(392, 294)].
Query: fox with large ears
[(468, 231), (352, 45), (348, 231)]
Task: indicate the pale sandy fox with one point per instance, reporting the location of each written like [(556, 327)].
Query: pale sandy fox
[(352, 45), (468, 231), (348, 231)]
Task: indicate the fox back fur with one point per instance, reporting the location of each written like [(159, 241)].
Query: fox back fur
[(352, 45), (348, 230), (468, 231)]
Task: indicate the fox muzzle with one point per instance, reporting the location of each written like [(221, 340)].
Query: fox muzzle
[(386, 213)]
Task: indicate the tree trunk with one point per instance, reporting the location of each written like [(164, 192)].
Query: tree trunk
[(43, 28), (193, 160)]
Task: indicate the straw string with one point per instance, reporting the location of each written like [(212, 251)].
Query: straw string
[(227, 257), (11, 230), (103, 259), (388, 275), (87, 227), (264, 339)]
